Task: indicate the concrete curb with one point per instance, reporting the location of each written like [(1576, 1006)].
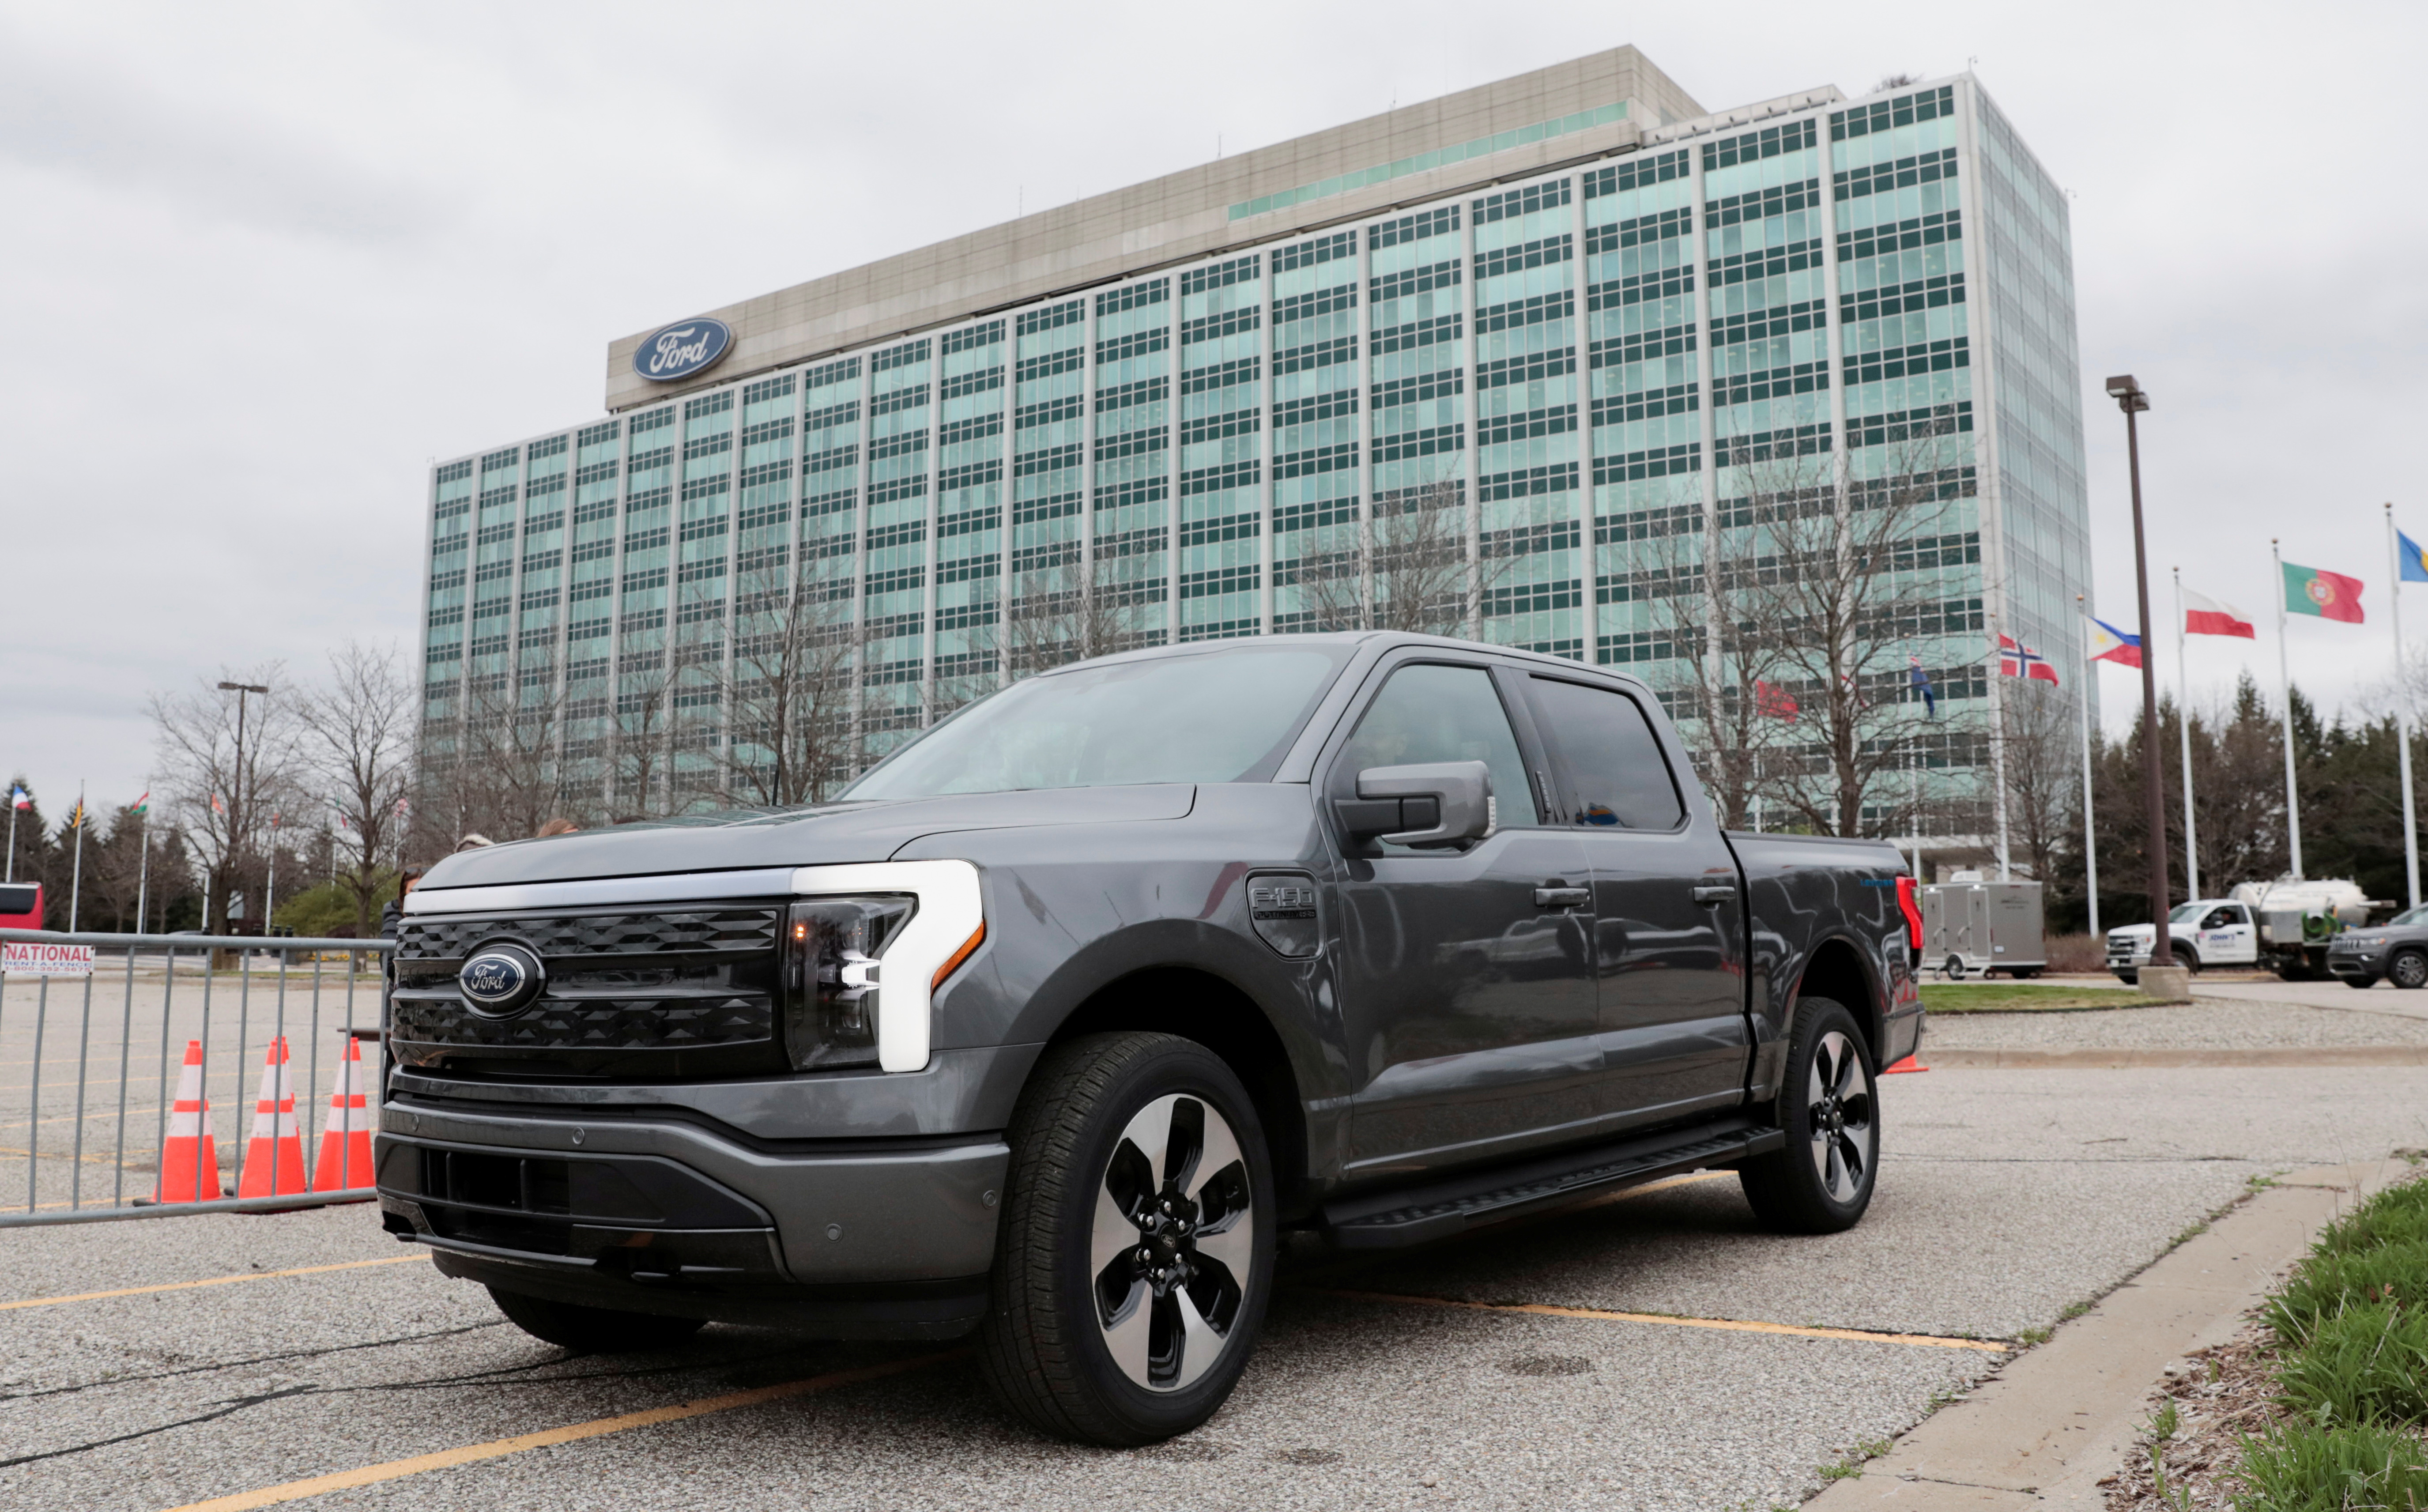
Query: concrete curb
[(2041, 1432), (2316, 1055)]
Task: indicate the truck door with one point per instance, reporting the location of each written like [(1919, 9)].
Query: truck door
[(2228, 935), (1467, 991), (1669, 915)]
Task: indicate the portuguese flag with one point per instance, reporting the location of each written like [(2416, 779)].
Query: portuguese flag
[(2328, 595)]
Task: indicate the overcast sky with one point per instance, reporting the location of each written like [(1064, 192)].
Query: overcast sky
[(262, 264)]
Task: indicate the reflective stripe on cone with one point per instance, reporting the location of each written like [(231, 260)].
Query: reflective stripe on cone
[(189, 1158), (346, 1136), (274, 1157)]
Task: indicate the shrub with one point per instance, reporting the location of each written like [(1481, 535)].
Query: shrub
[(2331, 1279), (2364, 1362), (2395, 1216), (2301, 1467)]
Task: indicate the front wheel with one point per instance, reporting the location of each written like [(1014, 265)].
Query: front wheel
[(1822, 1181), (1136, 1252), (2408, 970), (2364, 983)]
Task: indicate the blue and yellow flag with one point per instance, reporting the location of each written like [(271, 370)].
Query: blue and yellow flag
[(2414, 567)]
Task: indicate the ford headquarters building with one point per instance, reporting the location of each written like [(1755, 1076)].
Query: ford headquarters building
[(1576, 296)]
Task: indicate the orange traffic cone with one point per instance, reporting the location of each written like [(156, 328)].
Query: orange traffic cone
[(274, 1157), (189, 1160), (1907, 1064), (346, 1134)]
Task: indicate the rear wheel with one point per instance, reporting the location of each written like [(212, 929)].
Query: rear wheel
[(1822, 1181), (1136, 1252), (592, 1330), (1954, 969), (2408, 970)]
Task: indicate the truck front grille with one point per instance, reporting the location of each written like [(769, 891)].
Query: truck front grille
[(678, 994)]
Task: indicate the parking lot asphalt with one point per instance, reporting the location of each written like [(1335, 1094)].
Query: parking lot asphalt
[(2006, 1197)]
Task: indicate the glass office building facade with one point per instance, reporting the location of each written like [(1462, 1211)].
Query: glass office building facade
[(1584, 355)]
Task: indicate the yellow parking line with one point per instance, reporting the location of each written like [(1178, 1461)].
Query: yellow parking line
[(1731, 1324), (212, 1281), (497, 1448)]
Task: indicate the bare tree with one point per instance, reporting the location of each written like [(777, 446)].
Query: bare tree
[(222, 789), (1064, 609), (492, 769), (1837, 587), (1407, 567), (358, 747), (1711, 656), (2043, 772), (788, 691)]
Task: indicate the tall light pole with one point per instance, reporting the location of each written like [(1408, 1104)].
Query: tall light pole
[(236, 788), (2132, 400)]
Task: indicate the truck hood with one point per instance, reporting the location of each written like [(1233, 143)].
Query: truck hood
[(827, 834), (2143, 932)]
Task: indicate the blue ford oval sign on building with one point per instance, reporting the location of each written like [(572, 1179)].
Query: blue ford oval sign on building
[(681, 349)]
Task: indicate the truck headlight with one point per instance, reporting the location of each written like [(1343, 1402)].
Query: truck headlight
[(834, 950)]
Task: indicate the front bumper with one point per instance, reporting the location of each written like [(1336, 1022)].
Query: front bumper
[(2357, 964), (640, 1210)]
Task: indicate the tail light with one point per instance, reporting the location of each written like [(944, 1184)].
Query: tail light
[(1911, 907), (834, 950)]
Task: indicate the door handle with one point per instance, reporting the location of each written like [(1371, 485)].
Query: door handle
[(1563, 897), (1713, 894)]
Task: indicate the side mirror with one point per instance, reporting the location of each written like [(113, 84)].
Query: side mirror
[(1435, 806)]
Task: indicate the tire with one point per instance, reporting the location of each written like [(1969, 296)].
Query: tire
[(2364, 983), (2408, 970), (2025, 973), (1822, 1181), (1062, 1349), (2188, 959), (2129, 978), (592, 1330), (1954, 969)]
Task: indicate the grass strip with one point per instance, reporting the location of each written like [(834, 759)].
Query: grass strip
[(2003, 997)]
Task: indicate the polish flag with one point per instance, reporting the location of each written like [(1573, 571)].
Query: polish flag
[(2208, 616)]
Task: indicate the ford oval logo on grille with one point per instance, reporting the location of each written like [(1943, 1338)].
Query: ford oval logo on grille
[(679, 351), (500, 978)]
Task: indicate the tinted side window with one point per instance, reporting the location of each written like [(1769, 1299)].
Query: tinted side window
[(1612, 756), (1443, 713)]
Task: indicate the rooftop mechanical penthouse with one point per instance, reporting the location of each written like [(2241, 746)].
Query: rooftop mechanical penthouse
[(1575, 303)]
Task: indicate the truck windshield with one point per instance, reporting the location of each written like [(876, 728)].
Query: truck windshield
[(2418, 915), (1216, 716), (2188, 912)]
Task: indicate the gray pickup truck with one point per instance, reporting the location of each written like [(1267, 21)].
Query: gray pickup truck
[(1052, 1022)]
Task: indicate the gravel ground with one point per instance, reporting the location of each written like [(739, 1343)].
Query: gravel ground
[(2006, 1197), (2211, 1024)]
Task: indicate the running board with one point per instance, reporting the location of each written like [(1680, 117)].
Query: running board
[(1419, 1215)]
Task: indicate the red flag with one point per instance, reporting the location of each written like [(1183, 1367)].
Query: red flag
[(1771, 702), (2015, 659), (2211, 616)]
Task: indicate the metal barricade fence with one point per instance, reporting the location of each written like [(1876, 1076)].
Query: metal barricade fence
[(91, 1057)]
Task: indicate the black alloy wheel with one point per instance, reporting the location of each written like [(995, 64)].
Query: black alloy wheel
[(2408, 970), (1822, 1180), (1136, 1250), (592, 1330)]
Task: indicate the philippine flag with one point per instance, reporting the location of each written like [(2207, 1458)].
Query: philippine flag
[(2109, 644), (2204, 615), (2015, 659)]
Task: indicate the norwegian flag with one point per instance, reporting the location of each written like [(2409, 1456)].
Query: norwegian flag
[(2015, 659)]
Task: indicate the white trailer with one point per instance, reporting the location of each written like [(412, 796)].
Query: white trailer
[(1974, 929)]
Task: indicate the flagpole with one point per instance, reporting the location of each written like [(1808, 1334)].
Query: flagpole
[(2184, 721), (142, 870), (2089, 831), (2402, 718), (75, 889), (13, 833), (2285, 679)]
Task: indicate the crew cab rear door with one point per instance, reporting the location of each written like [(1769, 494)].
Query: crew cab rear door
[(1668, 910)]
